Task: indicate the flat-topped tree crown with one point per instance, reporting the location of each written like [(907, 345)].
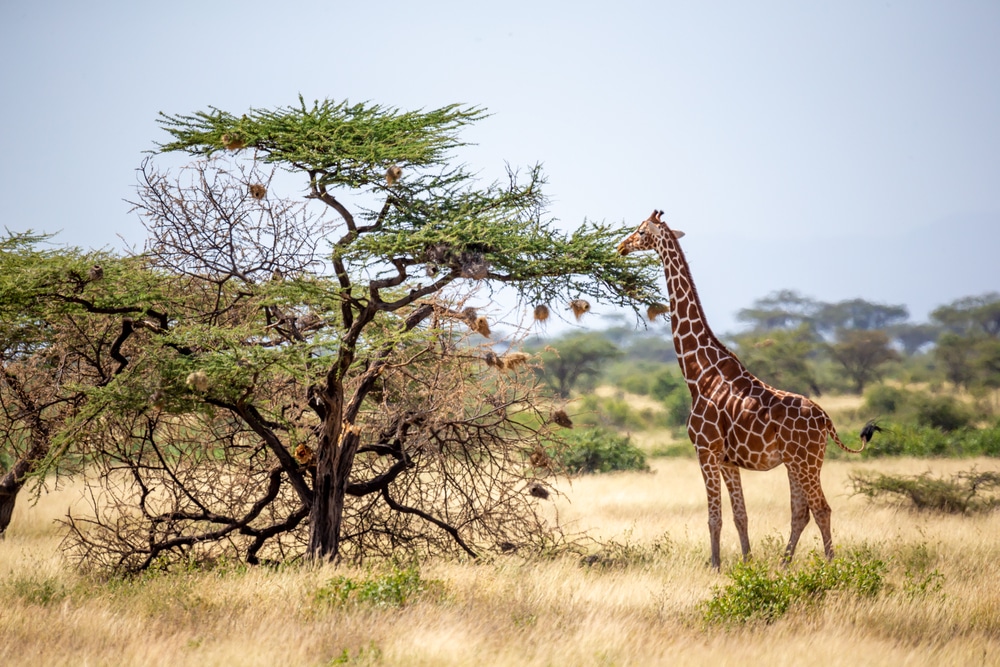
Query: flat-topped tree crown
[(427, 212), (346, 144)]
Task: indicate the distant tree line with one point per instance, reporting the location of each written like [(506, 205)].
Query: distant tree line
[(803, 345), (863, 338)]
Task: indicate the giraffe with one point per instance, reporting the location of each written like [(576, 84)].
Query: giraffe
[(738, 421)]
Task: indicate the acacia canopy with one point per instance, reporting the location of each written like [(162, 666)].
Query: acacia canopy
[(308, 382)]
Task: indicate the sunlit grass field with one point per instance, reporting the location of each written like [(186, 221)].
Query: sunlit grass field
[(638, 601)]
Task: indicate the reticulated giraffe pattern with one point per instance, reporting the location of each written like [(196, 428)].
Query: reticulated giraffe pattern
[(738, 421)]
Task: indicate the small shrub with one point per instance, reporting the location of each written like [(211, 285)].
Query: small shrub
[(942, 412), (36, 591), (758, 594), (964, 493), (393, 589), (885, 400), (370, 655), (597, 450)]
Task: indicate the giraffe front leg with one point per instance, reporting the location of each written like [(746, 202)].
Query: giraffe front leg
[(713, 489), (731, 475)]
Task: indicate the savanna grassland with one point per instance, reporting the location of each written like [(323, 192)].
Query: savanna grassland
[(638, 594)]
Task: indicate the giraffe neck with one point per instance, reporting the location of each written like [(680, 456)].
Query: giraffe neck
[(700, 354)]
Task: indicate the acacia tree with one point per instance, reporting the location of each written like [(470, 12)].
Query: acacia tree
[(863, 355), (575, 358), (334, 375), (64, 316)]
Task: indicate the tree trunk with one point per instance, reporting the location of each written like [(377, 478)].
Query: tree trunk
[(12, 483), (327, 508), (333, 468)]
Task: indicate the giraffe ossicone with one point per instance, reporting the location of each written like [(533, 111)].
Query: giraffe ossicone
[(737, 420)]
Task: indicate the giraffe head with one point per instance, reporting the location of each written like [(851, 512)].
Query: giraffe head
[(647, 235)]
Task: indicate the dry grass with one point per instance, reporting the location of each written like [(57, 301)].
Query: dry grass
[(510, 612)]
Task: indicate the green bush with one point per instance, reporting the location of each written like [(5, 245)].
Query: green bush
[(396, 588), (928, 441), (37, 591), (597, 450), (983, 442), (759, 594), (666, 384), (943, 412), (885, 400)]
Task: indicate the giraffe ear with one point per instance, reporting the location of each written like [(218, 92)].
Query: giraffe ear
[(677, 233)]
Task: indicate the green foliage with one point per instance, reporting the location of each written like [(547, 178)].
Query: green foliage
[(666, 385), (597, 450), (759, 594), (883, 399), (860, 315), (942, 412), (926, 441), (970, 361), (614, 412), (784, 309), (351, 144), (963, 493), (395, 588), (635, 376), (678, 406), (37, 590), (434, 215), (971, 315)]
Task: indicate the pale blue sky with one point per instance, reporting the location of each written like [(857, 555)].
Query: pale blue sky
[(845, 149)]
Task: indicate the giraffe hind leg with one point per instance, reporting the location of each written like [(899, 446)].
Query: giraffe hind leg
[(800, 513), (731, 475), (821, 511)]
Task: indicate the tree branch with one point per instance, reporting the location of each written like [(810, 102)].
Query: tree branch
[(451, 530)]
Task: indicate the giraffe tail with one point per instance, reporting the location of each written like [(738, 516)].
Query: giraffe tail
[(866, 434)]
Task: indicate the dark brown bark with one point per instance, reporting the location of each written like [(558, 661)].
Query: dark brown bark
[(12, 482), (339, 442), (14, 479)]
